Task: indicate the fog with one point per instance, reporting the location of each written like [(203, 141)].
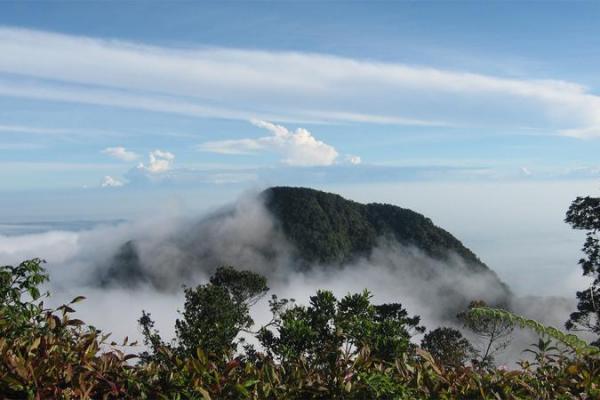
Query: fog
[(516, 229)]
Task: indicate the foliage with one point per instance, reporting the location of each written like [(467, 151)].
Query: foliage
[(214, 314), (327, 228), (448, 346), (44, 353), (19, 292), (494, 333), (328, 329), (584, 214), (570, 340)]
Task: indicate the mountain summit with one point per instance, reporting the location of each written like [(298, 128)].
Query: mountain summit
[(293, 230), (327, 228)]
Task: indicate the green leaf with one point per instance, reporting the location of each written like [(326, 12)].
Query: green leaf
[(242, 390), (77, 299)]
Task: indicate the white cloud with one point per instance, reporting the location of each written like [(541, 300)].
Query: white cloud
[(582, 133), (109, 181), (120, 153), (299, 148), (32, 166), (352, 159), (8, 88), (291, 86), (236, 146), (159, 161), (33, 130), (139, 101)]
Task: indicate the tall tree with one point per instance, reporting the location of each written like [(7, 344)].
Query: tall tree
[(494, 334), (329, 329), (448, 346), (584, 214), (214, 314)]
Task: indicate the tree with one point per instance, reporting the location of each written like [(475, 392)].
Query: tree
[(19, 294), (329, 330), (303, 331), (392, 327), (494, 334), (214, 314), (584, 214), (448, 346)]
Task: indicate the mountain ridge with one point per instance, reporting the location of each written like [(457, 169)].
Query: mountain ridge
[(310, 230), (308, 216)]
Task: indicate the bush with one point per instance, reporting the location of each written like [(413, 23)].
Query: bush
[(330, 349), (448, 346)]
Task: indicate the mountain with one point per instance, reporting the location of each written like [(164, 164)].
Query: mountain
[(287, 230), (326, 228)]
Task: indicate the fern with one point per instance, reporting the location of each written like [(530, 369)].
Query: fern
[(581, 347)]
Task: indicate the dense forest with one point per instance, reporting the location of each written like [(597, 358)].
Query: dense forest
[(330, 348), (326, 228)]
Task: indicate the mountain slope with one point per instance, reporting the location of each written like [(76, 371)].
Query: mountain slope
[(326, 228), (286, 230)]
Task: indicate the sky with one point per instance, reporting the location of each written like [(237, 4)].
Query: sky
[(484, 116), (117, 94)]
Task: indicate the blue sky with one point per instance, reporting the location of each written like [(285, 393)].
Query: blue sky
[(136, 94)]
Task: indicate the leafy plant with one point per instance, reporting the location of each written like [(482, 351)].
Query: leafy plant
[(333, 348), (570, 340), (448, 346), (494, 332), (584, 214)]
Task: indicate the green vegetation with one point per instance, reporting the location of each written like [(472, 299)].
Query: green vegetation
[(346, 348), (448, 347), (584, 214), (326, 228), (493, 332)]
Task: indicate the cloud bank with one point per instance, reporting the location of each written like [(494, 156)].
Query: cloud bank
[(176, 249), (284, 86)]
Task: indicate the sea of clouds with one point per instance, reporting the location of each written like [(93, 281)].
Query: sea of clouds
[(179, 249)]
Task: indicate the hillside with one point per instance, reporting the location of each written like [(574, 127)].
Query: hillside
[(326, 228), (287, 229)]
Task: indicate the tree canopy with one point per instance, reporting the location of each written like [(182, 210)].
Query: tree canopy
[(584, 214), (327, 228), (331, 348)]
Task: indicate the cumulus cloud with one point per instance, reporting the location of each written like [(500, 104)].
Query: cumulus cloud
[(109, 181), (120, 153), (301, 86), (298, 148), (159, 161)]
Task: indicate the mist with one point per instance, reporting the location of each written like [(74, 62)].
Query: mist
[(181, 248)]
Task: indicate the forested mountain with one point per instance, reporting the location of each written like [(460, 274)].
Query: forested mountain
[(326, 228), (289, 229)]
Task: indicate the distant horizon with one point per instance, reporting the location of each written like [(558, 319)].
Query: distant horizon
[(524, 239)]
